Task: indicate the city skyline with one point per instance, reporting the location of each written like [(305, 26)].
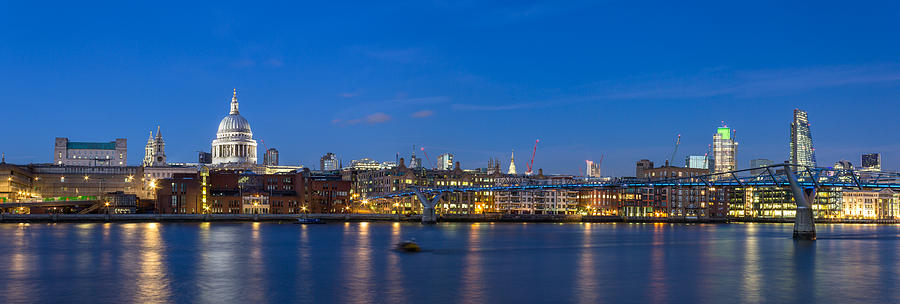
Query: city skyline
[(378, 91)]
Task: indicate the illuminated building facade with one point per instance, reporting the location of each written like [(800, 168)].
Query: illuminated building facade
[(155, 150), (70, 153), (881, 204), (778, 203), (697, 162), (271, 157), (512, 163), (802, 152), (445, 161), (329, 162), (234, 143), (671, 172), (724, 150), (871, 162), (232, 192), (593, 169)]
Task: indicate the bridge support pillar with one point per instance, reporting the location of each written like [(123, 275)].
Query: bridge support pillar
[(428, 204), (804, 221)]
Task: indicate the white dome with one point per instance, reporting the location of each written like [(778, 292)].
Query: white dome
[(234, 141), (234, 123)]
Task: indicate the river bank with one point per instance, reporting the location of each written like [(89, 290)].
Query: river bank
[(522, 218)]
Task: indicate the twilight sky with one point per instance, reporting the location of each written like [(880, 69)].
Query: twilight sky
[(477, 79)]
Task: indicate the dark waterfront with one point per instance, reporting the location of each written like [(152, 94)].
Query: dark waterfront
[(469, 263)]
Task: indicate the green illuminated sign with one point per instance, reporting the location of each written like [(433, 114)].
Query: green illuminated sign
[(725, 132)]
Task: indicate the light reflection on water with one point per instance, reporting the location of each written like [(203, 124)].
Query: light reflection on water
[(462, 262)]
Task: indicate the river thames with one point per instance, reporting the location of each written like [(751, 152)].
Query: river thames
[(462, 263)]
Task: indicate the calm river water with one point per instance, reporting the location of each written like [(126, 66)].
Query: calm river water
[(464, 263)]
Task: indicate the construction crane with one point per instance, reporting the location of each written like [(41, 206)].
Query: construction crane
[(706, 157), (672, 158), (531, 163), (427, 159)]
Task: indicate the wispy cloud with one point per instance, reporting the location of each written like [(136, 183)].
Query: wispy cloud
[(392, 54), (374, 118), (386, 108), (423, 114), (378, 118), (713, 83)]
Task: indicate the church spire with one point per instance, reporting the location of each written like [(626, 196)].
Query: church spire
[(512, 163), (158, 133), (234, 103)]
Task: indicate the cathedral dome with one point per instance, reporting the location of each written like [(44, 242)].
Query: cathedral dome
[(234, 123), (234, 143)]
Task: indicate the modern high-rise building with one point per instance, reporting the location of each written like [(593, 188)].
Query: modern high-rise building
[(871, 162), (642, 165), (593, 169), (843, 165), (445, 161), (70, 153), (697, 162), (155, 151), (271, 157), (802, 151), (724, 150), (329, 162), (759, 162)]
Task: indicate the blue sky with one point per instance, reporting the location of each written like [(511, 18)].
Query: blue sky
[(474, 78)]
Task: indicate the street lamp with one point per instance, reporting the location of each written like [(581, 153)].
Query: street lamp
[(107, 208)]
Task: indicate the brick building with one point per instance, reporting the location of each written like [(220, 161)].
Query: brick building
[(245, 192)]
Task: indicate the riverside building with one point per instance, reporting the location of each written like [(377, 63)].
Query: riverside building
[(802, 151), (72, 153)]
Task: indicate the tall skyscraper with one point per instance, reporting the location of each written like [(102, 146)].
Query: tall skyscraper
[(155, 151), (593, 169), (759, 162), (445, 161), (724, 150), (802, 151), (271, 157), (512, 163), (329, 162), (871, 162), (697, 162)]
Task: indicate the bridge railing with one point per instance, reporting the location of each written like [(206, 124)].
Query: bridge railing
[(772, 175)]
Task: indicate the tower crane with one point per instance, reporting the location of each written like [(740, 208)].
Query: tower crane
[(531, 163), (427, 159), (672, 158), (706, 157)]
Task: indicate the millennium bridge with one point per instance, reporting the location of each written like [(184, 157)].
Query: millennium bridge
[(803, 181)]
